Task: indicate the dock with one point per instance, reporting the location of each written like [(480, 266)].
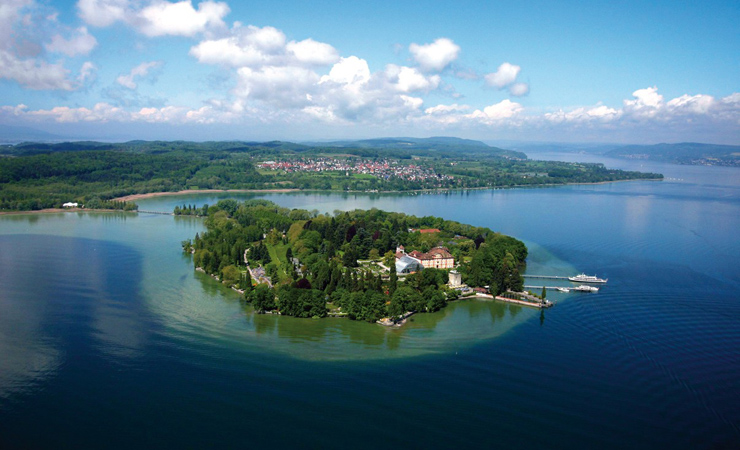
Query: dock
[(549, 277), (535, 303)]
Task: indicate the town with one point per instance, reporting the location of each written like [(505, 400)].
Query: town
[(382, 168)]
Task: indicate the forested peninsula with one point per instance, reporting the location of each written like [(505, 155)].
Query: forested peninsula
[(35, 176), (304, 264)]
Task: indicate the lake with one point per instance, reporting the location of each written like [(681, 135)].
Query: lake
[(109, 338)]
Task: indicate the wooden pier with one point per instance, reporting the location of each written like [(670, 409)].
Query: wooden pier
[(549, 277)]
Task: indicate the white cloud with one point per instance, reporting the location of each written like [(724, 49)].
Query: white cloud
[(142, 70), (446, 109), (599, 113), (311, 52), (34, 73), (252, 46), (408, 79), (282, 87), (351, 70), (158, 18), (647, 103), (691, 104), (504, 76), (102, 13), (23, 57), (181, 19), (519, 89), (10, 13), (505, 109), (87, 72), (79, 44), (245, 46), (435, 56)]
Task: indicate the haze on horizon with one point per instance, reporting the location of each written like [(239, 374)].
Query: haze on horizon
[(214, 70)]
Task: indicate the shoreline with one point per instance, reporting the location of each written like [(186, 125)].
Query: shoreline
[(288, 190), (62, 210), (134, 197)]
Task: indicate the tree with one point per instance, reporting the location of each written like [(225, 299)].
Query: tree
[(230, 275), (389, 259), (262, 298), (544, 292), (393, 283)]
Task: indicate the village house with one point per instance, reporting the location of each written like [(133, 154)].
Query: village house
[(436, 258)]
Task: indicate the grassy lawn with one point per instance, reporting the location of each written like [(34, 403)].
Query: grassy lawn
[(277, 255)]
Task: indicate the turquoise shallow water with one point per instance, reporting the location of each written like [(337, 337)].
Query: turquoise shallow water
[(108, 338)]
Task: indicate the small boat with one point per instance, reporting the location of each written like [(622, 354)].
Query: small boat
[(563, 289), (585, 288), (583, 278)]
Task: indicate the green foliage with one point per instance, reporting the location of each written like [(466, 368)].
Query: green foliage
[(328, 274), (47, 175)]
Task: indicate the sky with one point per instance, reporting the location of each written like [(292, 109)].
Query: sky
[(568, 71)]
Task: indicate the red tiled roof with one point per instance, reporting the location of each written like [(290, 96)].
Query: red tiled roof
[(428, 230)]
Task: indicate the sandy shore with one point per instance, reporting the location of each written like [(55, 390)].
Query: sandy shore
[(135, 197)]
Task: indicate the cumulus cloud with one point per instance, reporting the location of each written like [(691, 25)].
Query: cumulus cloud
[(647, 103), (364, 100), (351, 70), (446, 109), (158, 18), (37, 74), (282, 87), (181, 19), (24, 56), (519, 89), (691, 104), (505, 77), (311, 52), (599, 113), (409, 79), (505, 109), (102, 13), (252, 46), (79, 44), (140, 71), (435, 56)]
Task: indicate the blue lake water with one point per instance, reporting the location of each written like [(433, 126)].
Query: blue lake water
[(108, 338)]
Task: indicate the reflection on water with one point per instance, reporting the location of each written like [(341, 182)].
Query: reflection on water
[(58, 298)]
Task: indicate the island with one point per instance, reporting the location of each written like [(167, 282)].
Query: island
[(366, 265), (35, 176)]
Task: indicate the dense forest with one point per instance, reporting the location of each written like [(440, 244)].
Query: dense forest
[(35, 176), (344, 264)]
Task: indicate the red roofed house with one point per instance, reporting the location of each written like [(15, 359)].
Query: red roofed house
[(438, 258)]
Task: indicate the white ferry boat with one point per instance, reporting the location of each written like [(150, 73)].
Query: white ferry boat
[(585, 288), (583, 278)]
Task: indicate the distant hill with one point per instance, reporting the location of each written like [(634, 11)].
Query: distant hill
[(683, 153), (404, 148), (443, 144), (153, 147), (11, 135)]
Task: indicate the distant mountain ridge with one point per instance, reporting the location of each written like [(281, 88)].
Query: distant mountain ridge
[(12, 134), (682, 153), (387, 147), (433, 144)]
